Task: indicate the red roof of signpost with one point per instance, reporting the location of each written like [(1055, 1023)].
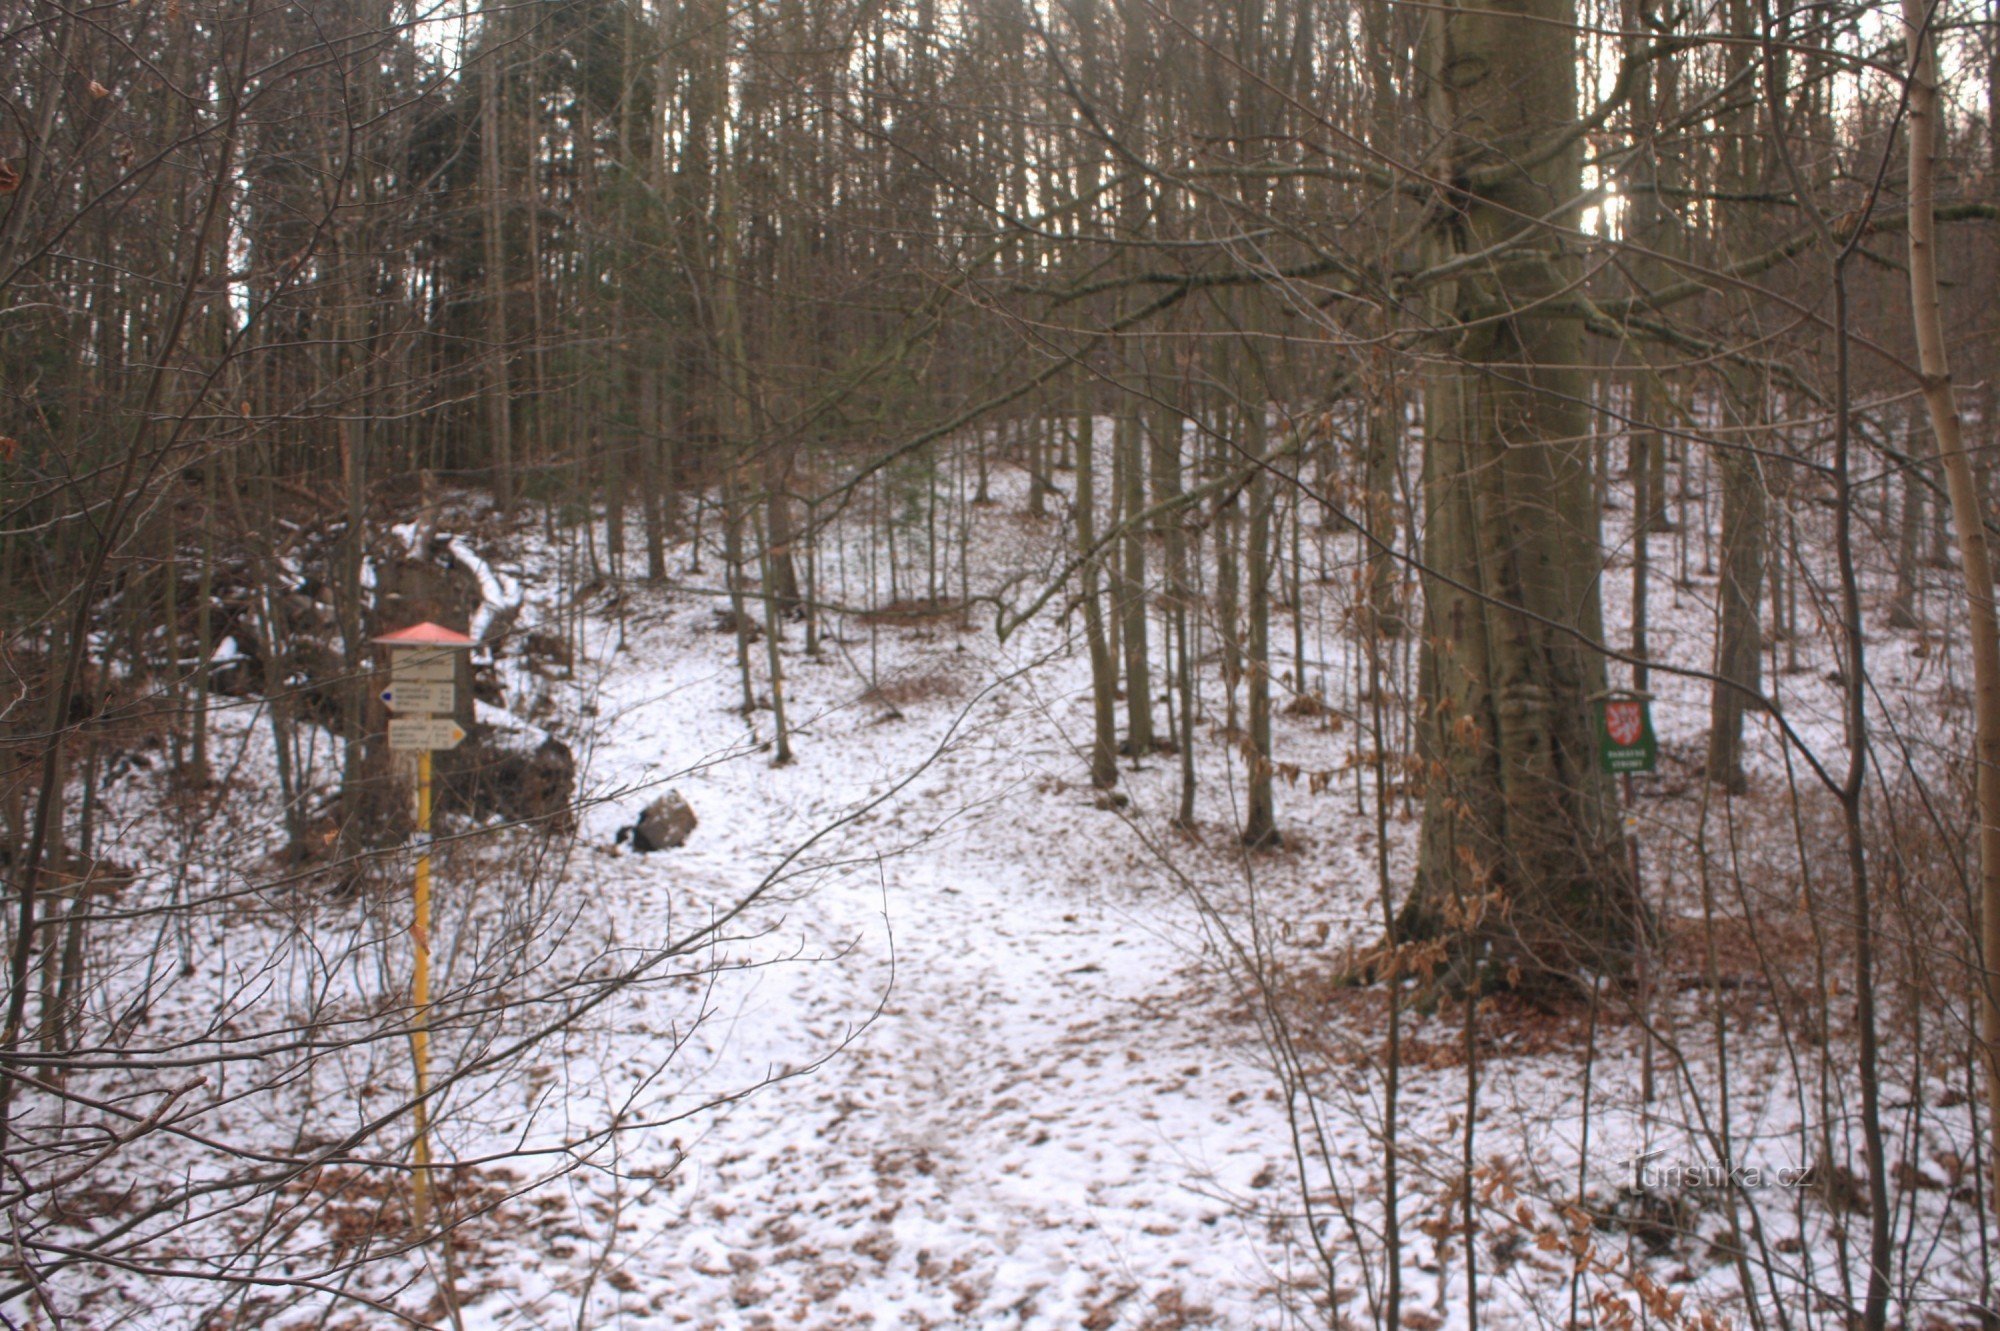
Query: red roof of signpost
[(425, 634)]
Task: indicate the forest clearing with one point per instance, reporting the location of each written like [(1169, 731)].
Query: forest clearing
[(1139, 665)]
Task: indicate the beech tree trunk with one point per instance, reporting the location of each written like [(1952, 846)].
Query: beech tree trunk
[(1745, 504), (1740, 653), (1520, 850), (1103, 667)]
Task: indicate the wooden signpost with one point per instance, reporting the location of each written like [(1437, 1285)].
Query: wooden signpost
[(423, 674)]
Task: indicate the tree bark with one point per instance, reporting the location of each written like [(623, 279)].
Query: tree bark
[(1103, 669), (1166, 465), (1975, 559), (1520, 850), (1909, 530), (1260, 823), (1740, 649), (1132, 587), (499, 406)]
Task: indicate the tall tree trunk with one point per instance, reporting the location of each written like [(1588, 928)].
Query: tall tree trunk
[(652, 496), (773, 661), (1103, 670), (1514, 801), (1128, 438), (1166, 465), (1038, 465), (1387, 404), (1385, 444), (783, 569), (499, 405), (1745, 489), (204, 627), (1740, 649), (1130, 445), (1260, 824), (1646, 461), (1228, 596), (1909, 518), (1645, 444), (733, 408), (1975, 559)]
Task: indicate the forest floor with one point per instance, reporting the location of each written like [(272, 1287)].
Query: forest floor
[(1027, 1073), (978, 1047), (1014, 1099)]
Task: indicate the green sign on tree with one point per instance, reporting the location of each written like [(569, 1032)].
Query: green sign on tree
[(1625, 741)]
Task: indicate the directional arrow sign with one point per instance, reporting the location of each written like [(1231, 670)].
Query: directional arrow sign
[(407, 695), (424, 732)]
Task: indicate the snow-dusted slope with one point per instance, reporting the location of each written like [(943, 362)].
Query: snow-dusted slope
[(970, 1046)]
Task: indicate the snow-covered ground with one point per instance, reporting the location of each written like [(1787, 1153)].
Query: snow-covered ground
[(1022, 1108), (970, 1048)]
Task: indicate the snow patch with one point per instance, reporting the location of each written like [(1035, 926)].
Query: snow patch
[(499, 594)]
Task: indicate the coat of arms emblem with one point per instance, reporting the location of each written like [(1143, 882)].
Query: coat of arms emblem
[(1625, 722)]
